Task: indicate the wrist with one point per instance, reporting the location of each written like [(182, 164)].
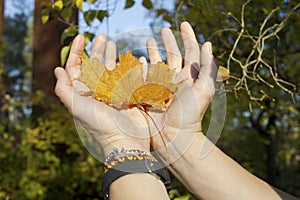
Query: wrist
[(122, 162), (174, 144), (126, 145), (118, 156)]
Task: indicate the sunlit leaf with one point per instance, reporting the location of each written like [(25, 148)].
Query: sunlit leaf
[(66, 14), (88, 36), (45, 16), (101, 14), (59, 4), (64, 54), (79, 4), (129, 4), (293, 110), (89, 16), (147, 4), (185, 197), (45, 4), (91, 71), (223, 74), (161, 11), (68, 32), (168, 18), (125, 86)]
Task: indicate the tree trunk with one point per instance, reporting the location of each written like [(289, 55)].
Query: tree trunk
[(46, 56), (2, 84), (1, 18), (270, 146)]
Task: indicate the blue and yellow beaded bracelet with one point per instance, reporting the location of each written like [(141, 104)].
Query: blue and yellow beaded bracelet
[(121, 162)]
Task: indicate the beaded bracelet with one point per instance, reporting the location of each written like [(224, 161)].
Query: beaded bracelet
[(123, 155), (121, 162)]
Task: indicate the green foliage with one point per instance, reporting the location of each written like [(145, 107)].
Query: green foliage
[(178, 192), (129, 3), (64, 54), (48, 161), (252, 48), (66, 10), (258, 41), (147, 4), (78, 4), (91, 15), (71, 31), (266, 141), (42, 159), (262, 127), (45, 159)]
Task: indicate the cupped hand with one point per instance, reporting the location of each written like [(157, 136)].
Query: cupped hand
[(131, 128), (183, 118), (110, 128)]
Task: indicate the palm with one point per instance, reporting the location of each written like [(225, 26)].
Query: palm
[(185, 113), (106, 124), (182, 114), (132, 128)]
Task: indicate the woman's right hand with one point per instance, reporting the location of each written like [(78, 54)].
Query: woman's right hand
[(183, 118)]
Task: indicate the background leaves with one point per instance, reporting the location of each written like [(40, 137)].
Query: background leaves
[(43, 158)]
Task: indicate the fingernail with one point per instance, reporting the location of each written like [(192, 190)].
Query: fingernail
[(208, 47)]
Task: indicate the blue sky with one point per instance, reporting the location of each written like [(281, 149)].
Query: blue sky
[(121, 23), (121, 19), (10, 6)]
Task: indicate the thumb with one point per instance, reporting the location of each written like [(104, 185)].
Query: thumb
[(63, 87)]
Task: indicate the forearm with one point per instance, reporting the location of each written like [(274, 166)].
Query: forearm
[(138, 186), (210, 174)]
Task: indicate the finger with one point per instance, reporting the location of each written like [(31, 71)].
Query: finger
[(202, 90), (192, 52), (208, 73), (63, 87), (110, 55), (143, 60), (153, 51), (173, 53), (74, 59), (98, 47)]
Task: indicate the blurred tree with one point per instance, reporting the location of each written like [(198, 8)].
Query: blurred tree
[(46, 50), (15, 106), (47, 160), (252, 48), (258, 41), (1, 18), (1, 50), (260, 53)]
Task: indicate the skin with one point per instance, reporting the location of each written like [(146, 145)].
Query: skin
[(175, 134)]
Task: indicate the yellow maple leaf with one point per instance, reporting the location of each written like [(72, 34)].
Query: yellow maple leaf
[(223, 74), (125, 86), (91, 70)]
